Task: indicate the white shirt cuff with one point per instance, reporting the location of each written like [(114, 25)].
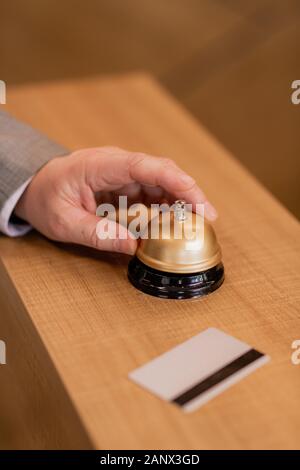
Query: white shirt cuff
[(7, 227)]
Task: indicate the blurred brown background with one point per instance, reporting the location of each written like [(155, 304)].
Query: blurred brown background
[(230, 62)]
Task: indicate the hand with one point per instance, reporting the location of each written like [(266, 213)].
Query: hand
[(61, 200)]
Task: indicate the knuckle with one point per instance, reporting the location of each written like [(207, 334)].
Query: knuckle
[(92, 239), (167, 162), (136, 157)]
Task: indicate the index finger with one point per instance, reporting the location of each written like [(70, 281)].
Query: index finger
[(111, 172), (163, 172)]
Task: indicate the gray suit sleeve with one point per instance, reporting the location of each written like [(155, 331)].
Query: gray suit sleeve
[(23, 151)]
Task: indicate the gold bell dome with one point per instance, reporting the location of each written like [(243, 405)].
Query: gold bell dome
[(194, 249), (178, 256)]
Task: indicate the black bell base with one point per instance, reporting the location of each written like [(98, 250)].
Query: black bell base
[(171, 285)]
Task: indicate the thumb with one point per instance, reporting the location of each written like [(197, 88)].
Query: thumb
[(103, 234)]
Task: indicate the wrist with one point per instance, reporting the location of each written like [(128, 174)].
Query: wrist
[(27, 201)]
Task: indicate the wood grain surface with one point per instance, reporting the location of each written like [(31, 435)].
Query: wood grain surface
[(75, 327)]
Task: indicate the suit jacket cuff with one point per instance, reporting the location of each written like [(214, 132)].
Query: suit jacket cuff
[(6, 225)]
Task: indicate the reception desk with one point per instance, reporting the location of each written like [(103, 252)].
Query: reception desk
[(74, 327)]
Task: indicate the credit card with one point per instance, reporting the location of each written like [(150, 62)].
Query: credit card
[(197, 370)]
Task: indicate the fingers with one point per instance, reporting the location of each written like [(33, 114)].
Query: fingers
[(110, 171), (203, 208), (155, 171), (89, 229)]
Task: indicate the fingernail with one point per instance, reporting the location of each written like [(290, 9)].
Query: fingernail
[(209, 211)]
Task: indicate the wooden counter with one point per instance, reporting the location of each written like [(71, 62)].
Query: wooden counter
[(74, 327)]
